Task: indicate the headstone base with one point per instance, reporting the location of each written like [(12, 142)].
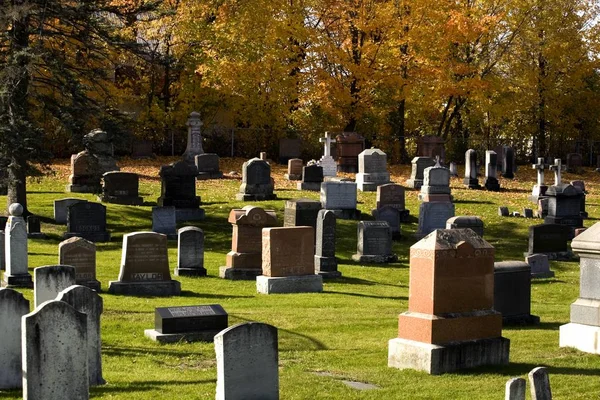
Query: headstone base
[(202, 336), (190, 272), (520, 320), (436, 359), (491, 184), (255, 197), (375, 259), (325, 264), (368, 186), (289, 284), (330, 274), (561, 255), (37, 235), (91, 236), (312, 186), (414, 183), (83, 188), (128, 200), (189, 214), (21, 280), (93, 284), (575, 222), (542, 275), (239, 274), (585, 338), (147, 288), (347, 213), (292, 177), (202, 176)]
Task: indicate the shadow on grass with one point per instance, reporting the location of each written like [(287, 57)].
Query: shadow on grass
[(358, 281), (128, 352), (546, 281), (371, 296), (141, 386), (545, 326), (472, 202), (517, 369), (184, 293)]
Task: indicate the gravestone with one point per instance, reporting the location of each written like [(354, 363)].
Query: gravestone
[(450, 323), (187, 323), (491, 165), (325, 260), (244, 261), (289, 148), (374, 244), (471, 180), (528, 213), (327, 162), (80, 254), (15, 248), (256, 181), (463, 222), (515, 389), (580, 186), (194, 139), (208, 166), (503, 212), (247, 362), (312, 177), (512, 293), (392, 195), (54, 365), (294, 171), (349, 146), (3, 221), (551, 240), (436, 202), (390, 215), (2, 251), (372, 170), (141, 149), (88, 302), (12, 307), (583, 330), (418, 168), (49, 280), (178, 189), (540, 188), (87, 220), (431, 146), (564, 201), (453, 170), (164, 220), (34, 228), (263, 155), (60, 209), (508, 162), (145, 267), (301, 212), (190, 252), (540, 384), (121, 188), (540, 266), (574, 163), (340, 197), (288, 264)]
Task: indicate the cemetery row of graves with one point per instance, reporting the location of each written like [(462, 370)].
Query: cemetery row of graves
[(345, 284)]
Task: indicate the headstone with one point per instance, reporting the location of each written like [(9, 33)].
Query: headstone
[(583, 331), (49, 280), (164, 220), (580, 186), (88, 302), (540, 266), (288, 264), (574, 163), (81, 254), (2, 251), (436, 206), (564, 201), (54, 365), (208, 166), (392, 195), (121, 188), (301, 212), (3, 221), (515, 389), (178, 189), (289, 148), (374, 244), (450, 323), (187, 323), (543, 207), (540, 384), (61, 206), (327, 162), (491, 165), (471, 180), (194, 141), (516, 214), (349, 146), (390, 215), (256, 181), (141, 149), (294, 171), (372, 170), (190, 252), (508, 163), (418, 168), (244, 261), (312, 177), (247, 362), (263, 155), (15, 247), (12, 307), (325, 260), (512, 293), (145, 267), (340, 197), (87, 220), (463, 222), (503, 212), (453, 170), (540, 188), (551, 240), (431, 146), (34, 229)]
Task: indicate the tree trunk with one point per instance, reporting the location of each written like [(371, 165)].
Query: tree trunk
[(17, 184)]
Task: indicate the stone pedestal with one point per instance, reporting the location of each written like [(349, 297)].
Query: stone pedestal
[(256, 181), (289, 284), (178, 189)]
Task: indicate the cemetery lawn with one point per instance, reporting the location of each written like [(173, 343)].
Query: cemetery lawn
[(325, 338)]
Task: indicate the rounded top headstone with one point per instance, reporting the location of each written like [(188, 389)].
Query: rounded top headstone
[(15, 209)]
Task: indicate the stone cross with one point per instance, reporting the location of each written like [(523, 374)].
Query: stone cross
[(194, 144), (540, 170), (327, 140), (557, 168)]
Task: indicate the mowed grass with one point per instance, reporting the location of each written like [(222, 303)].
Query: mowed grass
[(325, 338)]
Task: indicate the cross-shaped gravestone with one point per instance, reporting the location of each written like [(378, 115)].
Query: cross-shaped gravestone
[(540, 170), (327, 140), (557, 168)]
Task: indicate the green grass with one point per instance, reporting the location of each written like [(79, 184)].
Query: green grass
[(340, 334)]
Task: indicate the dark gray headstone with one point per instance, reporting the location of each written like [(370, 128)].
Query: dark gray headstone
[(190, 252), (256, 181), (87, 220), (374, 243), (471, 180), (208, 166), (390, 215), (508, 163), (503, 211), (301, 212), (12, 307), (184, 319), (325, 260), (462, 222), (549, 239), (312, 177), (418, 167), (178, 186), (512, 292), (121, 188)]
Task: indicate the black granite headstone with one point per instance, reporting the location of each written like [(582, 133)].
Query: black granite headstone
[(190, 319), (301, 212), (325, 260), (87, 220), (512, 292), (550, 239)]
